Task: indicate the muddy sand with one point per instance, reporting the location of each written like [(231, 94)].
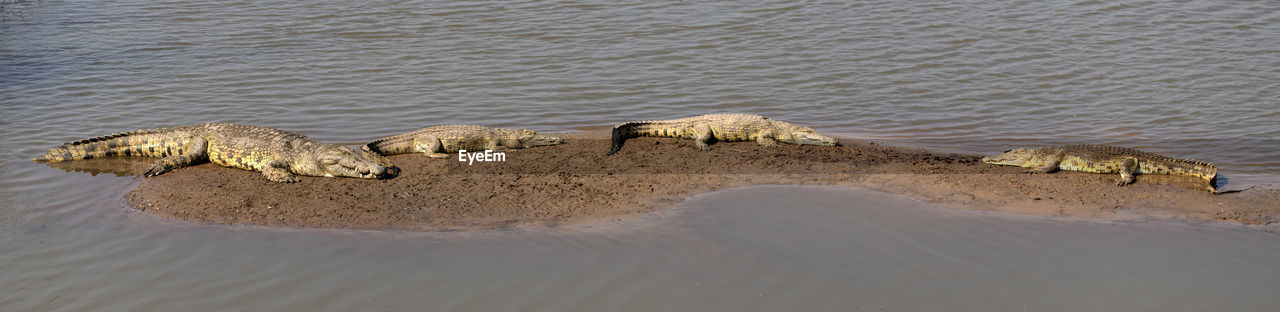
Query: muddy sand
[(575, 182)]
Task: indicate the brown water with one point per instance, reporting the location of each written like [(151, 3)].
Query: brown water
[(1186, 78), (764, 248)]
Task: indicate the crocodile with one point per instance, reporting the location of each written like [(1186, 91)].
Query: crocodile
[(438, 141), (280, 155), (1127, 162), (723, 128)]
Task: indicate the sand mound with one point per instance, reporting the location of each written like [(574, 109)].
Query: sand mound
[(576, 182)]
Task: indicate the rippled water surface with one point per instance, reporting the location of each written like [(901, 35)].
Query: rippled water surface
[(1195, 79), (1190, 78)]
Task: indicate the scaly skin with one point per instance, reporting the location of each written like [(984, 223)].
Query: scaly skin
[(721, 127), (280, 155), (1127, 162), (439, 141)]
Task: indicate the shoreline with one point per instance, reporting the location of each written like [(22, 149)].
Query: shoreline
[(576, 183)]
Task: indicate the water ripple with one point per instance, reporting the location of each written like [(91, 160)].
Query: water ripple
[(980, 73)]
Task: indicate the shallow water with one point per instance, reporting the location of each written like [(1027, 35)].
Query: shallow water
[(1191, 79), (765, 248)]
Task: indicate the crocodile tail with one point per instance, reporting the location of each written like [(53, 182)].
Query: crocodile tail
[(373, 147), (399, 144), (134, 143), (625, 131)]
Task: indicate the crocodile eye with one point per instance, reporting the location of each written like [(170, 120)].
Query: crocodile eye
[(329, 161), (1006, 151)]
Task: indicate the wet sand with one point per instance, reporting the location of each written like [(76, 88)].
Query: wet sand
[(575, 182)]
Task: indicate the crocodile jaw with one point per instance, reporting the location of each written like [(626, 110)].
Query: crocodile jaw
[(815, 139), (344, 162), (807, 136), (530, 139), (1019, 157)]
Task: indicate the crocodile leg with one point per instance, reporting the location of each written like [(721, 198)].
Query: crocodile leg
[(1127, 167), (197, 152), (432, 146), (703, 132), (278, 171), (766, 139), (1049, 166), (494, 146)]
